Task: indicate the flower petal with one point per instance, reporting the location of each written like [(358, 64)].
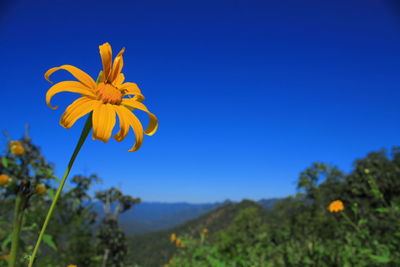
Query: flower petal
[(82, 76), (130, 119), (117, 66), (106, 59), (68, 86), (103, 121), (123, 124), (120, 79), (153, 125), (132, 89), (76, 110)]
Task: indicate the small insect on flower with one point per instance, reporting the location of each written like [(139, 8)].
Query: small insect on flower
[(16, 148), (108, 98), (40, 189), (336, 206), (173, 237), (4, 179)]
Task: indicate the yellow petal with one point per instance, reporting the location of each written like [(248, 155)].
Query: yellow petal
[(123, 125), (153, 125), (68, 86), (103, 121), (76, 110), (106, 59), (132, 121), (120, 79), (117, 66), (82, 76), (132, 89)]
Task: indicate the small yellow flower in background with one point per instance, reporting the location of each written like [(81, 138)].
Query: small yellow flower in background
[(72, 265), (173, 237), (16, 148), (4, 179), (179, 243), (336, 206), (40, 189), (367, 171), (4, 257), (205, 230), (107, 99)]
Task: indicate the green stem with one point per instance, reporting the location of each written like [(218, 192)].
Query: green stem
[(84, 134), (350, 222), (17, 224)]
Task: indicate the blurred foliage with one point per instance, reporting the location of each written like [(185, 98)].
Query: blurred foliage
[(74, 234), (300, 231), (297, 231), (112, 240)]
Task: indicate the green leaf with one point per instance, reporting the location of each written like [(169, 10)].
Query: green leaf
[(5, 242), (362, 222), (382, 210), (48, 239), (380, 259), (4, 161)]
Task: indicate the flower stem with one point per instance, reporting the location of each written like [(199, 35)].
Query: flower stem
[(84, 134), (350, 222), (17, 224)]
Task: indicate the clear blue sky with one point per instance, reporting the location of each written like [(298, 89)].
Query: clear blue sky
[(248, 93)]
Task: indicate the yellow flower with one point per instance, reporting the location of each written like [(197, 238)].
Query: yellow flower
[(336, 206), (17, 148), (173, 237), (179, 243), (4, 179), (110, 97), (205, 230), (40, 189), (72, 265)]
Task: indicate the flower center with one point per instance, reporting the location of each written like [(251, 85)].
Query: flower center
[(109, 94)]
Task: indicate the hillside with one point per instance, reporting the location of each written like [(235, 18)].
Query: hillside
[(147, 217), (268, 203), (156, 216), (155, 249)]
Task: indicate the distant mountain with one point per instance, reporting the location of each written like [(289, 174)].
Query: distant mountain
[(155, 249), (155, 216), (268, 203), (149, 217)]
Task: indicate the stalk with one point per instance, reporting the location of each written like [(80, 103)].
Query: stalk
[(17, 225), (84, 134), (350, 222)]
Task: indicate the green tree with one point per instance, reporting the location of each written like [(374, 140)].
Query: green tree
[(112, 240)]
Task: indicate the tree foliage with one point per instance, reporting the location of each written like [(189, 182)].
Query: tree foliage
[(301, 231)]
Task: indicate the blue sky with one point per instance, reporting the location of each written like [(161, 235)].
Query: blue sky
[(247, 93)]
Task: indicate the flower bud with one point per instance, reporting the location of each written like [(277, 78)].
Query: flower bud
[(16, 148), (40, 189), (4, 179)]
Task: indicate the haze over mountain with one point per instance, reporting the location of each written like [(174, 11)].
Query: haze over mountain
[(148, 217)]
